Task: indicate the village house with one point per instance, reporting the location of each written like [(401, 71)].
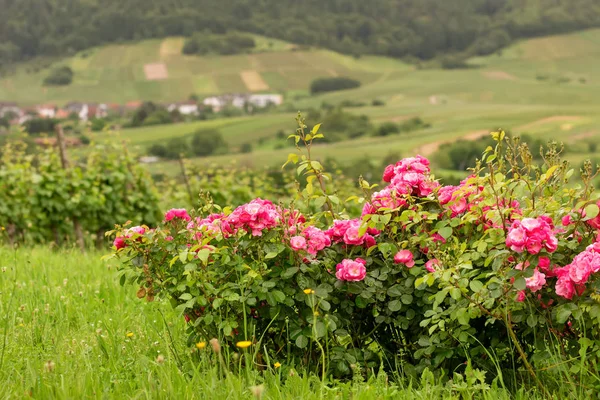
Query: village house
[(87, 111), (46, 110), (11, 109), (189, 107), (242, 100)]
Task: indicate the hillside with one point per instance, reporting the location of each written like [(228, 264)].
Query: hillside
[(548, 87), (119, 73), (399, 28)]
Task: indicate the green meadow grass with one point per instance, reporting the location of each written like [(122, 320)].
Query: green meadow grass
[(70, 331)]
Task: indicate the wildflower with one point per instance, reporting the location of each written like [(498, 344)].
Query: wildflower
[(404, 257), (129, 334), (244, 344), (351, 270), (277, 365), (214, 343), (160, 359), (308, 291), (49, 366), (200, 345), (257, 391)]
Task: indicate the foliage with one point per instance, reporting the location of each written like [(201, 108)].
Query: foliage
[(340, 124), (202, 43), (35, 126), (60, 76), (462, 153), (150, 113), (203, 142), (429, 277), (386, 27), (390, 128), (332, 84), (39, 197)]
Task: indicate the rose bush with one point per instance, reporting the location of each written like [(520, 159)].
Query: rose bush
[(501, 270)]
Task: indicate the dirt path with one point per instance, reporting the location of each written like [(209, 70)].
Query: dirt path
[(555, 118), (499, 75), (430, 148)]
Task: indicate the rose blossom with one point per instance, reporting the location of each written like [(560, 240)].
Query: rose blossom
[(179, 213), (298, 243), (404, 257), (431, 264), (351, 270)]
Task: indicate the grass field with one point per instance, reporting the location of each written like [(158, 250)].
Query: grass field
[(548, 87), (115, 73), (71, 332)]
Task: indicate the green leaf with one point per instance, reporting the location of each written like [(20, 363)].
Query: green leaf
[(532, 320), (217, 303), (562, 314), (270, 255), (520, 283), (290, 272), (476, 286), (455, 293), (186, 296), (591, 211), (394, 305), (406, 298), (445, 232), (203, 255), (395, 291), (301, 341), (320, 329)]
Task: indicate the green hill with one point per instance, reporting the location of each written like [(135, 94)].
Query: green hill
[(121, 73), (548, 87)]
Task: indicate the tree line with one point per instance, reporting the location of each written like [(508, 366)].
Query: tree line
[(421, 29)]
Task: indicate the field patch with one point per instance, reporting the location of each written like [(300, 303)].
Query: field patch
[(549, 120), (253, 81), (430, 148), (171, 47), (499, 75), (156, 71)]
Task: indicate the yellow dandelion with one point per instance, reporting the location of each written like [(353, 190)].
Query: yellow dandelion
[(243, 344), (129, 334), (277, 365), (308, 291), (200, 345)]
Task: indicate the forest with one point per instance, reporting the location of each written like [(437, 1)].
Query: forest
[(421, 29)]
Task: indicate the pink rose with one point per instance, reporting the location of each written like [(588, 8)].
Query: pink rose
[(404, 257), (298, 243), (431, 264), (119, 243), (179, 213), (566, 220), (521, 296), (536, 282), (351, 270)]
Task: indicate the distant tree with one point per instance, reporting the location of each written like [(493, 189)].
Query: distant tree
[(387, 128), (207, 142), (60, 76), (322, 85), (4, 122), (35, 126), (246, 147)]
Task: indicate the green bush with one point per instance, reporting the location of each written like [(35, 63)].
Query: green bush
[(229, 43), (322, 85), (430, 277), (207, 142), (60, 76)]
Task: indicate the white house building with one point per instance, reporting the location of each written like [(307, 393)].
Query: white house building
[(185, 107)]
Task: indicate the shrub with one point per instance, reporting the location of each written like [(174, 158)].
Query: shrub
[(60, 76), (207, 142), (387, 128), (246, 148), (500, 271), (322, 85), (453, 62), (35, 126)]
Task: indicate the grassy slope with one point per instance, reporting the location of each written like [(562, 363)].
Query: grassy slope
[(502, 92), (67, 309), (115, 73)]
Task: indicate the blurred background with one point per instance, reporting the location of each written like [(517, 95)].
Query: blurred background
[(220, 83)]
